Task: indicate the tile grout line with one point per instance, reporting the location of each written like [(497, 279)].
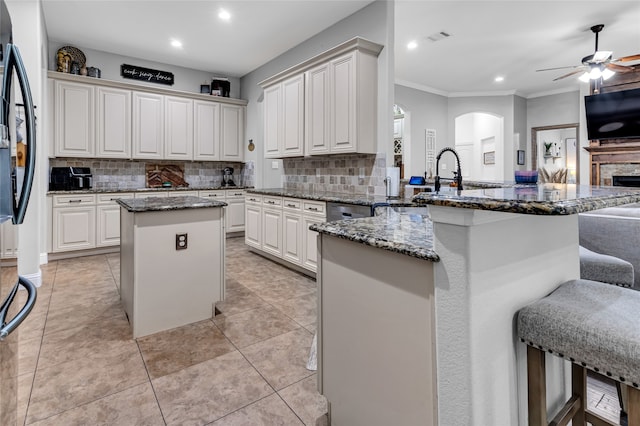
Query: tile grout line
[(153, 389)]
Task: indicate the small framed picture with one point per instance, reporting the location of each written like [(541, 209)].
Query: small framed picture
[(489, 157), (521, 157), (205, 88)]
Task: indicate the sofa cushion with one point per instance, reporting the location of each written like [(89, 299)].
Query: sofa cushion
[(607, 269), (590, 323)]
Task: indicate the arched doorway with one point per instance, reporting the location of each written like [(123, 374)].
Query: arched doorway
[(479, 141)]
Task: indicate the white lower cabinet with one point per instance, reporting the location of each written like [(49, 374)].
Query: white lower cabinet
[(234, 212), (9, 241), (74, 222), (108, 219), (280, 227), (253, 221)]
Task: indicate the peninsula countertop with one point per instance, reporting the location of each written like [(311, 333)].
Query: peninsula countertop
[(139, 205), (136, 190), (540, 199), (329, 196)]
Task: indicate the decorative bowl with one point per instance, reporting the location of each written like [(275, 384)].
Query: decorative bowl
[(526, 176)]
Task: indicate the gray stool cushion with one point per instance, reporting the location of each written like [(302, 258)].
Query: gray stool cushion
[(590, 323), (607, 269)]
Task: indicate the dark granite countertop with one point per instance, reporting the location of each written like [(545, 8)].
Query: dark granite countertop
[(115, 191), (151, 204), (336, 197), (540, 199), (409, 233)]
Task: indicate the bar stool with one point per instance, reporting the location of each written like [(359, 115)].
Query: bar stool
[(593, 325)]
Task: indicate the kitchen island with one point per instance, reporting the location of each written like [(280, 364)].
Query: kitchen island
[(171, 261), (417, 313)]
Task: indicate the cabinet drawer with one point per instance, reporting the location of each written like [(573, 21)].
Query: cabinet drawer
[(314, 207), (213, 194), (151, 194), (253, 199), (291, 204), (112, 197), (272, 201), (73, 200), (182, 193), (234, 193)]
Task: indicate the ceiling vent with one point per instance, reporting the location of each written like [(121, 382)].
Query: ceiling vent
[(438, 36)]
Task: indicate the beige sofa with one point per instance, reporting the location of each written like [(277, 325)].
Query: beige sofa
[(614, 231)]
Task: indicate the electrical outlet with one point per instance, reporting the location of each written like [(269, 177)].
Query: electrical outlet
[(274, 165), (181, 241)]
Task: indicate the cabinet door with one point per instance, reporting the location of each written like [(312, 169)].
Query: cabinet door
[(206, 131), (178, 130), (343, 104), (272, 121), (272, 231), (108, 225), (75, 127), (317, 110), (74, 228), (113, 121), (253, 225), (232, 132), (292, 237), (9, 241), (148, 128), (310, 243), (293, 116), (235, 214)]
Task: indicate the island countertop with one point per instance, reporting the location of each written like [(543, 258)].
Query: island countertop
[(405, 233), (541, 199), (329, 196), (138, 205)]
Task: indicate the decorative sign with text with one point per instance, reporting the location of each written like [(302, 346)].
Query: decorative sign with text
[(146, 74)]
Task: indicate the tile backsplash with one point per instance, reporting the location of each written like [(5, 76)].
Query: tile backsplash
[(361, 174), (125, 174)]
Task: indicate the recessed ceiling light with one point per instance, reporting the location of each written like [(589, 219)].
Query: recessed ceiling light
[(412, 45), (176, 43), (498, 79), (224, 15)]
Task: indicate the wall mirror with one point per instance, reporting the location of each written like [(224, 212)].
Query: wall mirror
[(555, 152)]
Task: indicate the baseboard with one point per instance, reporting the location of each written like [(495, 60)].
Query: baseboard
[(282, 262), (80, 253), (35, 278)]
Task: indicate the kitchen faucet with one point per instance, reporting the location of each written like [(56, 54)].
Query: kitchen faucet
[(458, 172)]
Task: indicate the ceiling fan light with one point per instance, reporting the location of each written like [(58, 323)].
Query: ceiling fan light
[(585, 77), (595, 73), (607, 74)]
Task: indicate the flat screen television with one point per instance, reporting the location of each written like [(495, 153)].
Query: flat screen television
[(613, 115)]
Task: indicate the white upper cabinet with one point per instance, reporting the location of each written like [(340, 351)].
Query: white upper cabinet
[(148, 126), (178, 128), (232, 132), (113, 122), (206, 131), (326, 105), (74, 119)]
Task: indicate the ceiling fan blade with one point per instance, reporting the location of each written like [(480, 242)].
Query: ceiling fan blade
[(558, 68), (619, 68), (628, 58), (568, 75)]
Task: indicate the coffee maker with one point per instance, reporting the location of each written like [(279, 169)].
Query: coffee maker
[(227, 177)]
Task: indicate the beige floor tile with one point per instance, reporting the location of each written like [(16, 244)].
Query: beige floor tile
[(111, 335), (239, 300), (25, 383), (94, 313), (302, 309), (282, 360), (73, 383), (207, 391), (172, 350), (28, 351), (282, 289), (304, 399), (134, 406), (253, 326), (269, 411)]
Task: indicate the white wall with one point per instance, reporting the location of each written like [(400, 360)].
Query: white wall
[(477, 134), (427, 111), (29, 34), (185, 79), (374, 22)]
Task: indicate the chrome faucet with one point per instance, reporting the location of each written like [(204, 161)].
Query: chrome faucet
[(458, 172)]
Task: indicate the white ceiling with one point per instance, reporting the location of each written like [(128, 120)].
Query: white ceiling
[(510, 38)]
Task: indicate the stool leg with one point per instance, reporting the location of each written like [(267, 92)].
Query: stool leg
[(579, 389), (633, 406), (537, 387)]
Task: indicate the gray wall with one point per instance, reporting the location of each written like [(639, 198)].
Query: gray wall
[(186, 80), (427, 111), (374, 22)]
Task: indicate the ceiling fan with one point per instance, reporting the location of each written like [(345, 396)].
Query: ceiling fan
[(599, 64)]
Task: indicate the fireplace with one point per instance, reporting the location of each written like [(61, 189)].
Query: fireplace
[(626, 181)]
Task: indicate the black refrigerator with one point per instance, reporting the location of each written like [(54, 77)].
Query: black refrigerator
[(16, 178)]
